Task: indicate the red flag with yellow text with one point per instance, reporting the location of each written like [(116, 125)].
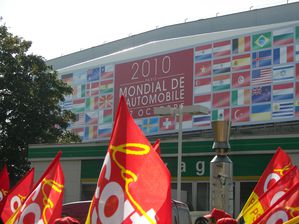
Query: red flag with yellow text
[(276, 168), (285, 209), (4, 184), (17, 195), (283, 185), (134, 183), (44, 204)]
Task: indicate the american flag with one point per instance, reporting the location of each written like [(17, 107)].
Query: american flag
[(261, 76)]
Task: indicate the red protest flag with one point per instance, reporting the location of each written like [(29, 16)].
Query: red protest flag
[(134, 183), (276, 168), (44, 204), (17, 195), (285, 209), (275, 192), (156, 146), (4, 184), (294, 220)]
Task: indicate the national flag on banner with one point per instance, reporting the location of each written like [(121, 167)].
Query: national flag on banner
[(283, 73), (241, 79), (283, 55), (201, 120), (278, 166), (266, 200), (220, 114), (204, 100), (107, 75), (130, 172), (296, 105), (17, 195), (202, 86), (106, 87), (78, 105), (92, 103), (261, 41), (261, 76), (221, 65), (78, 131), (105, 116), (80, 119), (222, 48), (241, 44), (261, 94), (297, 52), (90, 132), (282, 110), (4, 184), (240, 97), (79, 77), (221, 99), (92, 89), (44, 204), (91, 117), (283, 91), (67, 105), (283, 36), (150, 125), (240, 114), (106, 72), (93, 74), (261, 112), (285, 209), (104, 131), (187, 122), (67, 78), (79, 91), (241, 62), (203, 68), (167, 123), (203, 53), (261, 58), (106, 101), (221, 82)]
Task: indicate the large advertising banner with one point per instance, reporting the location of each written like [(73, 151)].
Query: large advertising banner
[(250, 79), (164, 80)]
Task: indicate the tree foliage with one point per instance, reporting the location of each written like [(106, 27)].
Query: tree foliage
[(30, 92)]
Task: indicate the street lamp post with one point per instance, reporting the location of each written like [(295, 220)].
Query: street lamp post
[(179, 111)]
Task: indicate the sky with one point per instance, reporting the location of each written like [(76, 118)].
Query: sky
[(61, 27)]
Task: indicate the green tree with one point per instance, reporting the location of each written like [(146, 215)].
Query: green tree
[(30, 92)]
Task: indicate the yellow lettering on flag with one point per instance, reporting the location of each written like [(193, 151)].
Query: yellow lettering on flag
[(253, 212), (252, 198), (127, 175), (284, 169)]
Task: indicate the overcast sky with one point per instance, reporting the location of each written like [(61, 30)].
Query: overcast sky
[(60, 27)]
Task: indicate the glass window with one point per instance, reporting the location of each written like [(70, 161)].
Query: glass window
[(186, 193), (246, 189), (87, 191), (203, 197)]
